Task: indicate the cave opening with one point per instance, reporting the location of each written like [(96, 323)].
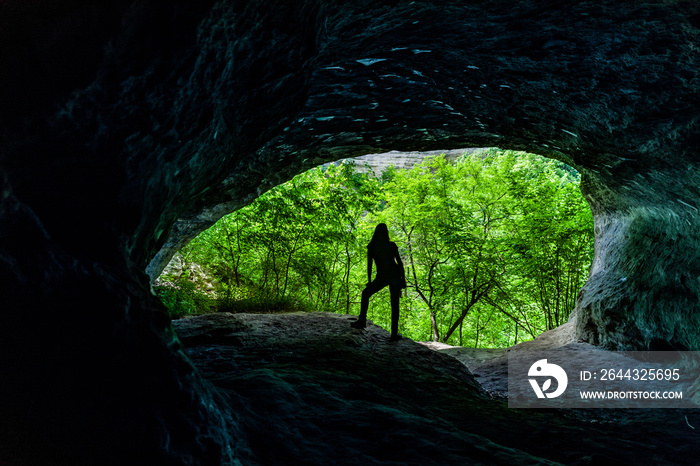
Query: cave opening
[(125, 120), (496, 245)]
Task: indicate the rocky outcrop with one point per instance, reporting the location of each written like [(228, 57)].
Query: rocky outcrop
[(316, 391), (129, 126), (377, 163)]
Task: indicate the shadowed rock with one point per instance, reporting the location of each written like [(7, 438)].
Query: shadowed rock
[(316, 391), (128, 127)]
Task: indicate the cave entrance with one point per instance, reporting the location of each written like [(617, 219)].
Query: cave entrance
[(495, 243)]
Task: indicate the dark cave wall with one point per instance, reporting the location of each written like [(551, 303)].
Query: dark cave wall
[(609, 89), (129, 127), (643, 288)]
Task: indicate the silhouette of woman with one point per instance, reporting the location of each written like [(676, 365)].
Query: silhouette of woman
[(390, 272)]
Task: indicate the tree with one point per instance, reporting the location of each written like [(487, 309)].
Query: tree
[(496, 245)]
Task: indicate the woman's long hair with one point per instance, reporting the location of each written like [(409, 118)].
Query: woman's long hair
[(380, 236)]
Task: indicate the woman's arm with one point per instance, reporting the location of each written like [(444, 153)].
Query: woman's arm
[(399, 262)]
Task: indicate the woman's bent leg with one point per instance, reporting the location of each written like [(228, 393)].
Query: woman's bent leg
[(367, 293)]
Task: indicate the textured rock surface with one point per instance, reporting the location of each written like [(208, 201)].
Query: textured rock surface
[(125, 123), (315, 391), (377, 163)]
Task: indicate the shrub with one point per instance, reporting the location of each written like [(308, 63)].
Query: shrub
[(183, 299), (261, 305)]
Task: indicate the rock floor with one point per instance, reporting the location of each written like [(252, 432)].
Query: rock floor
[(309, 389)]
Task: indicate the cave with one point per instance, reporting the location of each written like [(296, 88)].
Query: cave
[(127, 127)]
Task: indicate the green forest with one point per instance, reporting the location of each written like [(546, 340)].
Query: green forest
[(496, 246)]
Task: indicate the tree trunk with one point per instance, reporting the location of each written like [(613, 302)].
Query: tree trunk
[(434, 326)]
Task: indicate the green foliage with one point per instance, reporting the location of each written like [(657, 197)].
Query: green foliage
[(261, 305), (183, 299), (496, 246)]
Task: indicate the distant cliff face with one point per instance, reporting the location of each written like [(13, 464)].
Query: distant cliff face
[(377, 163), (127, 127)]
